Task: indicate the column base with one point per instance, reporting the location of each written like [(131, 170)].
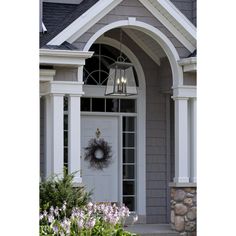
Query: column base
[(181, 179), (184, 209)]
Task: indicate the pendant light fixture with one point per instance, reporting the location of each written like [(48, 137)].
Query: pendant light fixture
[(121, 81)]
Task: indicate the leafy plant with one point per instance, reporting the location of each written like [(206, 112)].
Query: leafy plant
[(100, 219), (56, 191)]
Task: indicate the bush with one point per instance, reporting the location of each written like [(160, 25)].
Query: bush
[(101, 219), (55, 191)]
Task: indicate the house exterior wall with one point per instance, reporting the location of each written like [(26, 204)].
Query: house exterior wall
[(130, 8)]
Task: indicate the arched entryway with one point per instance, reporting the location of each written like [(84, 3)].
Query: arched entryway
[(153, 163)]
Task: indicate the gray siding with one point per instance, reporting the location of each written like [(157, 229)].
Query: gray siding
[(195, 12), (130, 8)]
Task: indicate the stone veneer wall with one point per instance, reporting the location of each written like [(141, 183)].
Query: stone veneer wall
[(184, 210)]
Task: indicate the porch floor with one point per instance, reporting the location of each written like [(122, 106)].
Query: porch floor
[(152, 230)]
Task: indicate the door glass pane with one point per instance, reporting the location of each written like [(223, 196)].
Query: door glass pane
[(98, 104), (65, 122), (129, 202), (128, 156), (128, 187), (112, 105), (128, 124), (128, 171), (85, 104), (128, 140), (127, 105), (65, 103)]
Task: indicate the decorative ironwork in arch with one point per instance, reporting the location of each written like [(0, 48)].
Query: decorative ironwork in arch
[(96, 69)]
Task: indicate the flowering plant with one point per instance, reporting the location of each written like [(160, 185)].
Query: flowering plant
[(99, 219)]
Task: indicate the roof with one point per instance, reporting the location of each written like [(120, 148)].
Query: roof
[(57, 16), (63, 46)]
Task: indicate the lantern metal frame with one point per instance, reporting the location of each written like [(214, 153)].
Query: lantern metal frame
[(121, 80)]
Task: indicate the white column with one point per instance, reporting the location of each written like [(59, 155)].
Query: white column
[(193, 163), (181, 140), (54, 134), (74, 137), (48, 136)]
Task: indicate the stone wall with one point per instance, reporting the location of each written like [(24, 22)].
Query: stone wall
[(184, 210)]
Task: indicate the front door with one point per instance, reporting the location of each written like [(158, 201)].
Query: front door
[(102, 182)]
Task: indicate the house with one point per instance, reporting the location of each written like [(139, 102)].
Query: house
[(146, 142)]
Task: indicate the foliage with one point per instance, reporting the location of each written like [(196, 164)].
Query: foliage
[(91, 220), (55, 191)]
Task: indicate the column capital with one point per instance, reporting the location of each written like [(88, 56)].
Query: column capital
[(179, 98), (185, 91), (61, 87), (46, 75)]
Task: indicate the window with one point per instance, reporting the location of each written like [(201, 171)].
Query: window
[(96, 69)]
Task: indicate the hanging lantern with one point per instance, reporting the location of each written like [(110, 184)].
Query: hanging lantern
[(121, 81)]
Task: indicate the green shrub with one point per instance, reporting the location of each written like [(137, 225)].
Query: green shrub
[(55, 191)]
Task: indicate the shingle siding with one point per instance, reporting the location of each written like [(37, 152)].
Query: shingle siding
[(188, 8), (195, 12)]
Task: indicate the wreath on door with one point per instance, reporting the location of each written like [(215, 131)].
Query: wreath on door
[(98, 153)]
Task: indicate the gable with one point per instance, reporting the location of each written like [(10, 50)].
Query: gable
[(168, 19), (135, 9)]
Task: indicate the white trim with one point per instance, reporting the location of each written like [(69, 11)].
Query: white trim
[(46, 75), (84, 22), (63, 57), (142, 45), (188, 64), (185, 91), (182, 185), (61, 87), (153, 32), (164, 15), (180, 19)]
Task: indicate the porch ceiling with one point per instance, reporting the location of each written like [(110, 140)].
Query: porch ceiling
[(145, 42), (151, 47)]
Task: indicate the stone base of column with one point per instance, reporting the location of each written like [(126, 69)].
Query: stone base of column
[(184, 210)]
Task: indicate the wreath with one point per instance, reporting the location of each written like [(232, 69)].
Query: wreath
[(98, 153)]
